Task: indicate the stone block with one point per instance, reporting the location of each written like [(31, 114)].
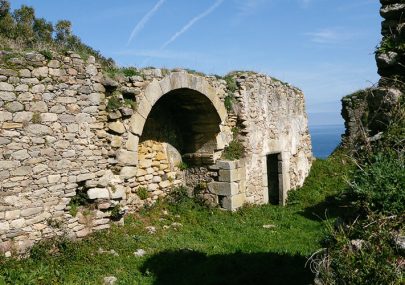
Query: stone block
[(234, 202), (165, 184), (38, 129), (127, 158), (128, 172), (12, 215), (40, 72), (31, 211), (230, 175), (153, 92), (117, 127), (223, 188), (49, 117), (4, 86), (22, 117), (132, 142), (226, 165), (7, 96), (136, 124), (144, 108), (98, 193), (85, 176), (14, 107), (117, 192), (5, 116)]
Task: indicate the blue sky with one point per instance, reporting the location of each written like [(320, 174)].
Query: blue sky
[(324, 47)]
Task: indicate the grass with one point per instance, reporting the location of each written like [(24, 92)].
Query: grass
[(193, 244)]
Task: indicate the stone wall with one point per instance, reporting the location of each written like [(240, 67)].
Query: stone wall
[(51, 142), (78, 148), (367, 113), (273, 119)]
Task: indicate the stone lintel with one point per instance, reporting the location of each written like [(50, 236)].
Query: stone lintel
[(223, 188)]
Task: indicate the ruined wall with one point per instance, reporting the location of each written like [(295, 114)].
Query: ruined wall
[(367, 113), (51, 143), (75, 155), (274, 120)]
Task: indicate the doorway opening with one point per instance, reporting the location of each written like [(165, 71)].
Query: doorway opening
[(274, 177)]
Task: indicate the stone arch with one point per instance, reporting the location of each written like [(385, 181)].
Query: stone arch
[(171, 85)]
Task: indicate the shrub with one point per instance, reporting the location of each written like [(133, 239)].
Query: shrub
[(228, 102), (361, 253), (130, 71), (116, 212), (182, 165), (379, 185), (235, 150), (47, 54), (142, 193), (113, 103), (231, 83)]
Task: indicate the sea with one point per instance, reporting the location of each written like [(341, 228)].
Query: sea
[(325, 139)]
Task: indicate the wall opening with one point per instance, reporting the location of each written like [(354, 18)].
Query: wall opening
[(274, 178), (186, 120)]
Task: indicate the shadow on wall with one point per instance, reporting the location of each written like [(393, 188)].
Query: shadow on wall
[(186, 119), (192, 267)]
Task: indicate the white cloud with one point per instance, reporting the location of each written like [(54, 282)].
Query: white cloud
[(192, 22), (162, 54), (141, 24), (330, 36)]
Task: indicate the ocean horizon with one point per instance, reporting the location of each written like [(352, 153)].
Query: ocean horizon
[(325, 139)]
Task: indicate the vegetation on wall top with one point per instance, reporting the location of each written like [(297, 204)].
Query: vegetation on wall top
[(21, 30)]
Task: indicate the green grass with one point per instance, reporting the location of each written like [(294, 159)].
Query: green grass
[(210, 246)]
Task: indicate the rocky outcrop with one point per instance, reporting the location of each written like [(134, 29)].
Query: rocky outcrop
[(368, 113)]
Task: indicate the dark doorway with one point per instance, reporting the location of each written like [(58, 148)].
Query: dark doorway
[(273, 180)]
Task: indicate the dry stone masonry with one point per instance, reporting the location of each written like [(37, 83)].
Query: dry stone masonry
[(79, 148), (367, 113)]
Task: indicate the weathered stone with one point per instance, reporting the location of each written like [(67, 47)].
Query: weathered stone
[(114, 115), (40, 88), (54, 178), (234, 202), (96, 98), (14, 106), (132, 142), (165, 184), (49, 117), (126, 112), (40, 72), (26, 96), (38, 129), (84, 177), (22, 88), (58, 109), (127, 158), (5, 116), (223, 188), (229, 175), (39, 106), (54, 63), (98, 193), (20, 154), (4, 86), (31, 212), (25, 73), (128, 172), (7, 96), (117, 127), (8, 164)]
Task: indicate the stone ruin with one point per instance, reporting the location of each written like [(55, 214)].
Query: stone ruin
[(78, 149)]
